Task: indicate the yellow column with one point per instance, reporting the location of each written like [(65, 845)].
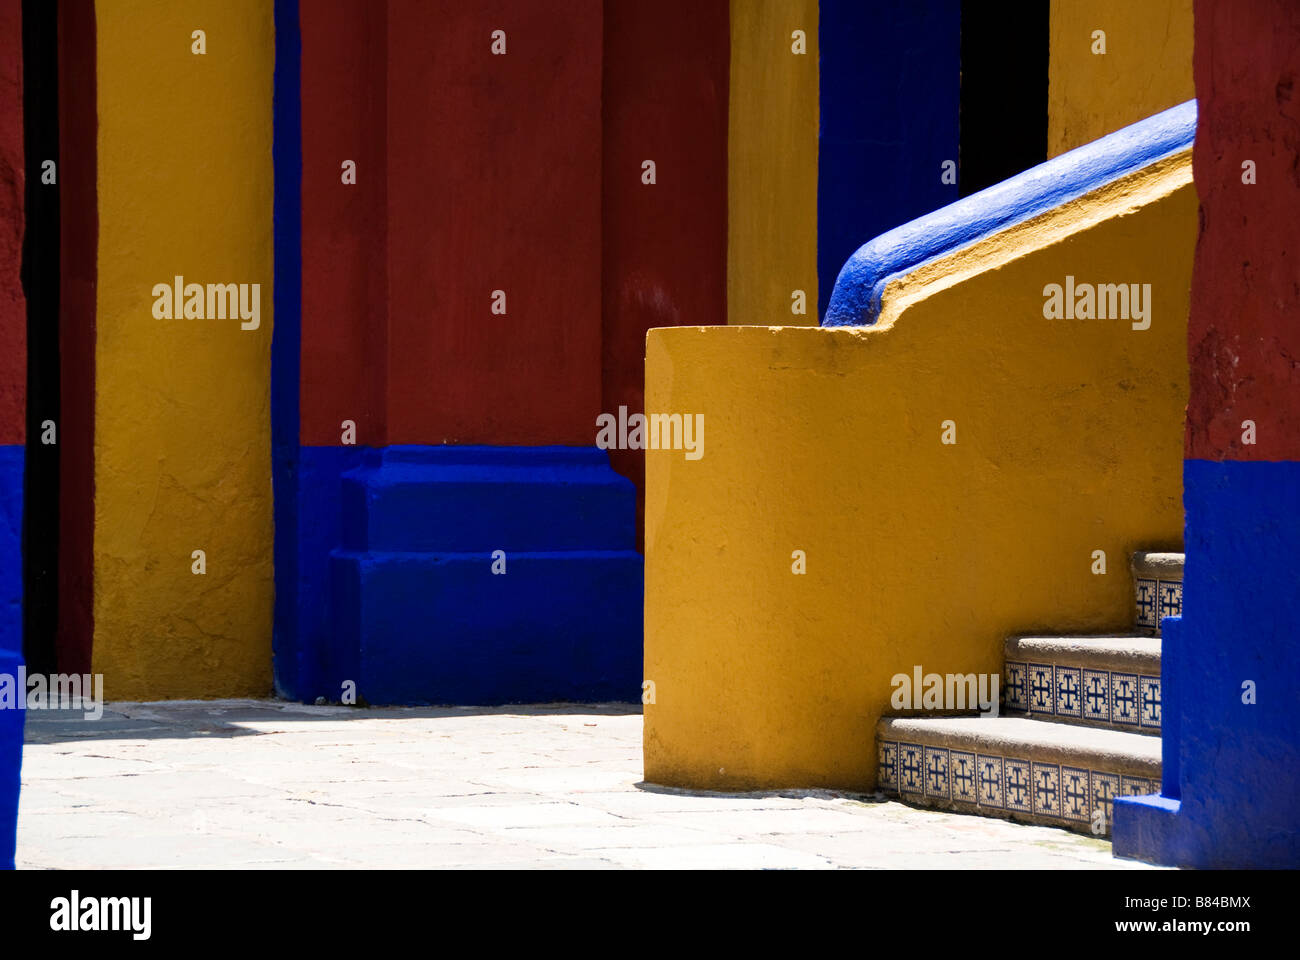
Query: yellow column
[(1146, 66), (182, 422), (772, 162)]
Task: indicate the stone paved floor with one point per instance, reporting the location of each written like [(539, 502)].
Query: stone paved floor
[(264, 784)]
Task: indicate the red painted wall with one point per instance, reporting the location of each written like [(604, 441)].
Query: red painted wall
[(665, 245), (494, 167), (13, 309), (79, 250), (475, 172), (518, 172), (1244, 329), (344, 227)]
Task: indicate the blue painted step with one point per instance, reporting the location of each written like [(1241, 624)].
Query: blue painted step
[(442, 628), (420, 616), (463, 499)]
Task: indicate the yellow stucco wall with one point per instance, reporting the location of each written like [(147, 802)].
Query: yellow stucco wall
[(772, 162), (1147, 66), (1069, 440), (182, 425)]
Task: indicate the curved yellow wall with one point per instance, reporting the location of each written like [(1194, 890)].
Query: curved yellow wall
[(1147, 66), (772, 162), (1069, 440), (182, 426)]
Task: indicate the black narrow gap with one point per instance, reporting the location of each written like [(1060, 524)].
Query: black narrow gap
[(40, 278), (1004, 53)]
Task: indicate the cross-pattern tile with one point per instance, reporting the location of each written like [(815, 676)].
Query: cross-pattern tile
[(1169, 598), (911, 768), (1071, 796), (1146, 603), (936, 773), (962, 774), (1019, 785), (1016, 694), (990, 781), (1069, 700), (888, 753), (1040, 688), (1047, 789), (1074, 793), (1157, 599), (1124, 698), (1149, 709), (1096, 696), (1104, 788), (1137, 786)]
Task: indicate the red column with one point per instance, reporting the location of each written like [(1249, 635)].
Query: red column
[(664, 244), (493, 185), (13, 310), (79, 243), (344, 225)]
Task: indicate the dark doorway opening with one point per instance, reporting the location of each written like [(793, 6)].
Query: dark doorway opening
[(40, 278), (1004, 53), (60, 249)]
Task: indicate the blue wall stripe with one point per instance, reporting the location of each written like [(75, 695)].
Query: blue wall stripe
[(12, 466), (286, 153), (890, 106), (1237, 806)]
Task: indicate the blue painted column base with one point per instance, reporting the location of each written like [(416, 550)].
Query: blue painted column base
[(1231, 732), (11, 757), (12, 461), (486, 575)]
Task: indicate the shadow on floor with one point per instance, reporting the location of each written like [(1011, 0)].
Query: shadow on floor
[(199, 719)]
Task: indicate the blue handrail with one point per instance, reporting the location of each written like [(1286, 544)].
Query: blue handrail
[(861, 283)]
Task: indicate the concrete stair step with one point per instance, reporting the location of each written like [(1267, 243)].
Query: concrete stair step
[(1158, 588), (468, 498), (1016, 767), (1096, 681)]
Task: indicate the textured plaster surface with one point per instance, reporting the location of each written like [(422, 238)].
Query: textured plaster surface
[(827, 441), (1244, 338), (772, 164), (182, 419), (1146, 68)]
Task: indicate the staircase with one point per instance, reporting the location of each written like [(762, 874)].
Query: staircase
[(1080, 725)]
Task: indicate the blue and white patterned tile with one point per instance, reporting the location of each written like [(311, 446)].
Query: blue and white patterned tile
[(887, 778), (1047, 789), (1075, 797), (1137, 786), (1149, 709), (936, 773), (1124, 698), (1146, 603), (1104, 788), (1041, 692), (962, 773), (1169, 599), (1069, 700), (1017, 785), (911, 768), (1015, 693), (990, 781), (1096, 695)]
